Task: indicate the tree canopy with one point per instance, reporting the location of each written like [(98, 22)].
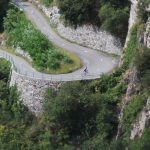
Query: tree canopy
[(3, 9), (109, 15)]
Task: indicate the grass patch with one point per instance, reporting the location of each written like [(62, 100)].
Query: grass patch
[(67, 68)]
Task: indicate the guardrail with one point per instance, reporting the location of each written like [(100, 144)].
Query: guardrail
[(47, 77)]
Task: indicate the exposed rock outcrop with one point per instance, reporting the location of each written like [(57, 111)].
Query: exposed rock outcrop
[(131, 79), (132, 22), (147, 34), (132, 19), (143, 121)]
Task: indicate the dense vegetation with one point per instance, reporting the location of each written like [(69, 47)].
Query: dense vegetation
[(110, 15), (84, 114), (83, 110), (22, 33), (46, 2), (14, 117), (3, 9), (80, 115)]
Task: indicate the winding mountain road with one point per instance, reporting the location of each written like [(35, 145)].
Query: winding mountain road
[(96, 62)]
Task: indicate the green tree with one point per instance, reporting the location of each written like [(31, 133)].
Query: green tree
[(79, 11), (3, 9), (47, 2), (71, 112), (4, 69)]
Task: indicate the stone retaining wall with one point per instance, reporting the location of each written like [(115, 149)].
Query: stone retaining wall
[(32, 90), (86, 35), (132, 19)]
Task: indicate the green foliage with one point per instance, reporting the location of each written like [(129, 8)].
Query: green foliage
[(133, 109), (110, 15), (105, 83), (14, 117), (47, 2), (4, 69), (79, 11), (3, 9), (143, 64), (114, 20), (72, 115), (80, 110), (141, 143), (22, 33)]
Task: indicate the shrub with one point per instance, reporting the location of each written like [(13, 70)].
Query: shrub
[(133, 109), (4, 69), (47, 2)]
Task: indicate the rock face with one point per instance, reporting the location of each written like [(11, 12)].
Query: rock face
[(86, 35), (32, 90), (130, 78), (143, 122), (147, 34), (132, 19)]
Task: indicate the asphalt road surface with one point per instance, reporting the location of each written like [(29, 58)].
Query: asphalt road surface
[(96, 62)]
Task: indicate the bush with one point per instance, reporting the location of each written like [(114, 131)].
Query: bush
[(47, 2), (133, 109), (71, 112), (4, 69)]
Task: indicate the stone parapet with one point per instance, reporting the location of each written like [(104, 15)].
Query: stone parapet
[(32, 90)]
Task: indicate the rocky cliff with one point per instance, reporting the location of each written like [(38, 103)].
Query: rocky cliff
[(143, 121), (132, 79)]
